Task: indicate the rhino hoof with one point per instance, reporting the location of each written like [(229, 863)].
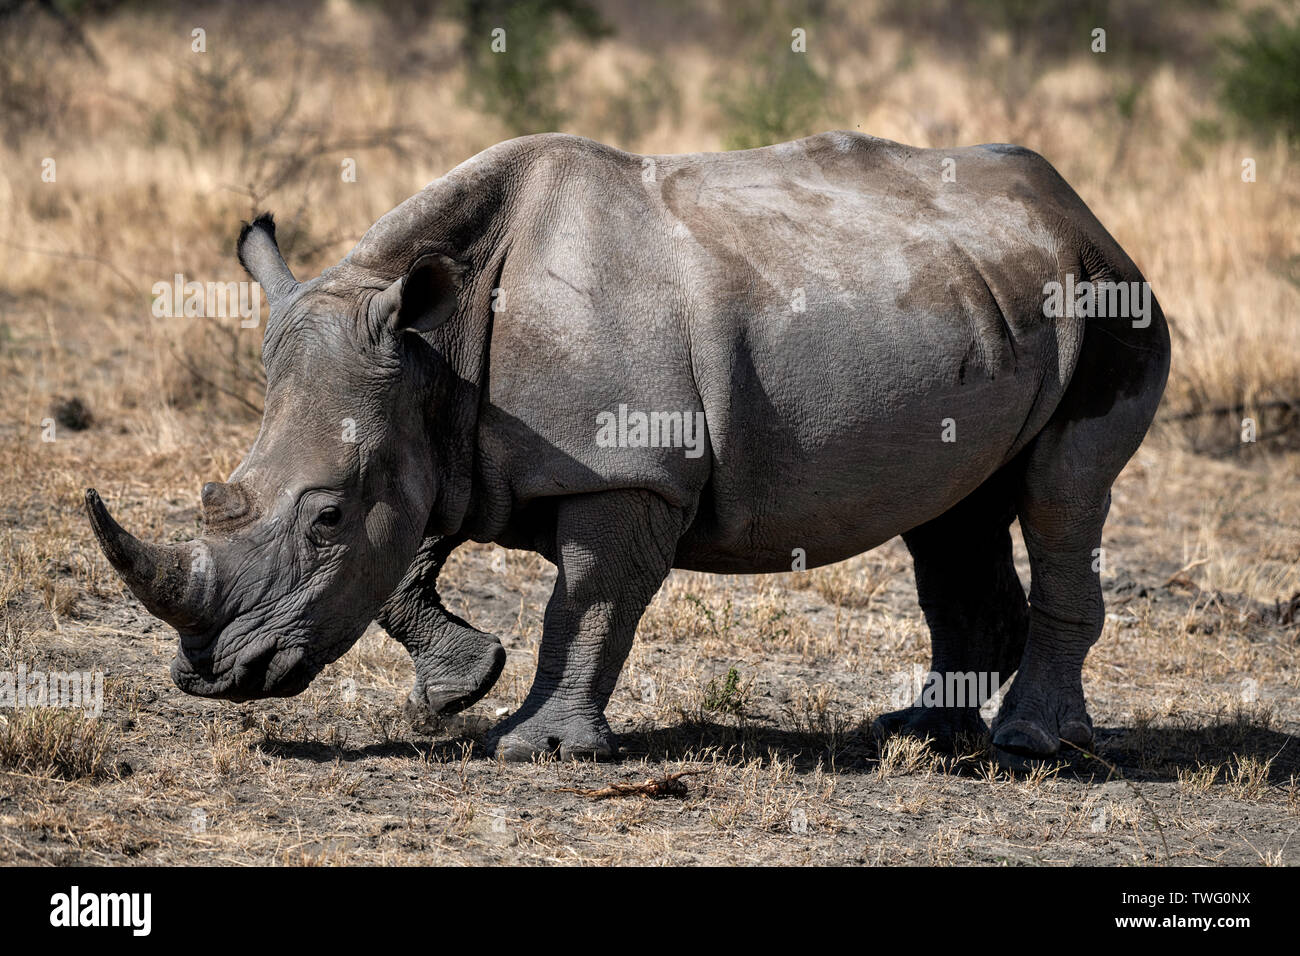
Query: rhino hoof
[(426, 707), (522, 739), (946, 727), (515, 748), (1006, 760), (1039, 735), (1078, 733), (1023, 738)]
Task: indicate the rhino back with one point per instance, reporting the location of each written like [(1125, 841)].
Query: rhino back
[(832, 306)]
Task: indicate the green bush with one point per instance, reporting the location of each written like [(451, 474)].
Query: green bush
[(785, 100), (1261, 83), (728, 697), (521, 85)]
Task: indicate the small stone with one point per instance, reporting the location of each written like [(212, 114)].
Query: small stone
[(502, 711)]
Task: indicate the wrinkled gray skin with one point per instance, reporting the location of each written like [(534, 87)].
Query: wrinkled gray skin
[(669, 284)]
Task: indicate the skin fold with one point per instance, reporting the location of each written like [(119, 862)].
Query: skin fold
[(862, 337)]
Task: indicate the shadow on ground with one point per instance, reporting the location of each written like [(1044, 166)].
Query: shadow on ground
[(1140, 753)]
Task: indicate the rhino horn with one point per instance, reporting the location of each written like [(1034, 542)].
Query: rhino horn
[(172, 581)]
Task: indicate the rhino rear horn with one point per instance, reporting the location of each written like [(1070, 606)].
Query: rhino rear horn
[(260, 256)]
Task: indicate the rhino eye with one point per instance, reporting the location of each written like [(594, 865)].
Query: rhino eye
[(324, 525)]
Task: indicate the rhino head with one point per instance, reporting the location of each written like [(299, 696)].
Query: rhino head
[(318, 523)]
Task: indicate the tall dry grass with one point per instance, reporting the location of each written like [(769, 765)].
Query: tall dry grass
[(161, 151)]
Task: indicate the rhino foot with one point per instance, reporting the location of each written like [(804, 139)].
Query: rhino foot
[(537, 732), (947, 727), (1035, 725), (436, 697)]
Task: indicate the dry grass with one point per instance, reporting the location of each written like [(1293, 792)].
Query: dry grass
[(162, 152), (173, 148), (52, 742)]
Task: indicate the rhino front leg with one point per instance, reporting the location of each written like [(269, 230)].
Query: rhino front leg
[(612, 551), (455, 663)]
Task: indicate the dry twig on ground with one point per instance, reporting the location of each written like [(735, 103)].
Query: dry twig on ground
[(656, 789)]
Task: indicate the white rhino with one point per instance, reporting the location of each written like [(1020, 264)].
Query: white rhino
[(711, 361)]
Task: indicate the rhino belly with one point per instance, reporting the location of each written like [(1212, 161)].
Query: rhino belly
[(838, 456)]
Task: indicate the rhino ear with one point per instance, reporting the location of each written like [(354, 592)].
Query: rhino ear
[(425, 297)]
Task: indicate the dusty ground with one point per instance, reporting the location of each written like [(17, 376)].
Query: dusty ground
[(1193, 688)]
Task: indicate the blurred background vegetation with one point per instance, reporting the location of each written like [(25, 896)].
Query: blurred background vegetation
[(162, 150)]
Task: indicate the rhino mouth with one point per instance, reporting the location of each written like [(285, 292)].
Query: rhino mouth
[(264, 671)]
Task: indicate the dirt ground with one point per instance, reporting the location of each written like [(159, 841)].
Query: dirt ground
[(1193, 689)]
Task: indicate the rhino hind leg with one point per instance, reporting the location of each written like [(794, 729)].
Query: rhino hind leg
[(1045, 706), (976, 611), (1062, 502), (612, 552), (455, 663)]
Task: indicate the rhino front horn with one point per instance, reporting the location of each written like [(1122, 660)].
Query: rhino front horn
[(172, 581)]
